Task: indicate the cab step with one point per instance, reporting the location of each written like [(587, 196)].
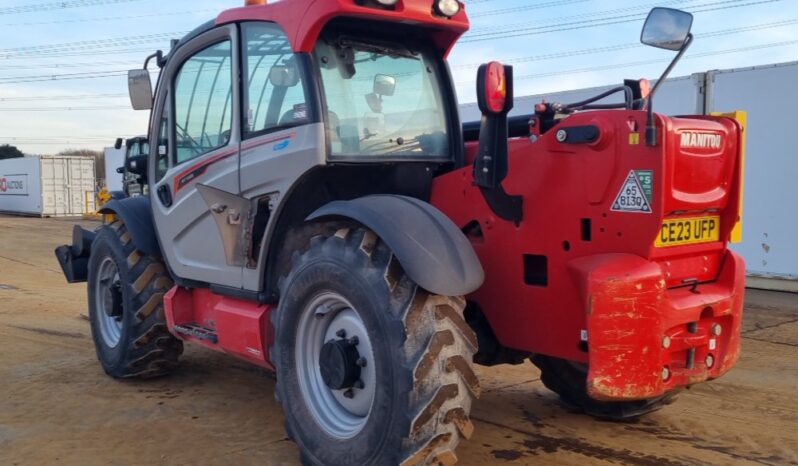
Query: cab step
[(197, 331)]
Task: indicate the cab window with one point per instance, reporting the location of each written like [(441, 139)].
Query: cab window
[(274, 96), (162, 151), (382, 99), (203, 98)]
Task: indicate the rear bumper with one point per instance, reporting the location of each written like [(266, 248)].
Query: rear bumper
[(645, 340)]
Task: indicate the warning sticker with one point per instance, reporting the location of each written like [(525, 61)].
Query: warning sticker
[(636, 193)]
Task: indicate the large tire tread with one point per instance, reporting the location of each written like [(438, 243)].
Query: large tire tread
[(570, 383), (150, 350), (437, 351)]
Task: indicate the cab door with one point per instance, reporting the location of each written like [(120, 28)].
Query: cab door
[(196, 145)]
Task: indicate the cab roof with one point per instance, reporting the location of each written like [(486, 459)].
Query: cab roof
[(304, 20)]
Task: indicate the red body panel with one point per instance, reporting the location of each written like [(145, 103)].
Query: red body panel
[(242, 327), (613, 283), (304, 22)]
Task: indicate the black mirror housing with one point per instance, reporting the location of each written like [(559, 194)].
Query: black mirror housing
[(137, 164)]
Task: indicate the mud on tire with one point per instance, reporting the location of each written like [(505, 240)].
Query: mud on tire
[(569, 380), (144, 347), (422, 351)]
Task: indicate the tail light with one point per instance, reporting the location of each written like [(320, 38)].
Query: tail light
[(495, 87)]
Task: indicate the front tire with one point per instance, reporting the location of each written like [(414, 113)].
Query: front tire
[(371, 369), (569, 380), (126, 290)]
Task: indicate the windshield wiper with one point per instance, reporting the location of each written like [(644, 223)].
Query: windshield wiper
[(391, 50)]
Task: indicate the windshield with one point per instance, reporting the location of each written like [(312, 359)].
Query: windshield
[(382, 100)]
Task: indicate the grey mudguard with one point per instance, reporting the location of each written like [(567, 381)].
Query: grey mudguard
[(137, 215), (432, 250)]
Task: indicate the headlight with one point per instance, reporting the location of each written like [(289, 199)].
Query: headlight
[(447, 8), (387, 2)]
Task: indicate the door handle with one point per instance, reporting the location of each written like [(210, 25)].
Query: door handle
[(165, 195)]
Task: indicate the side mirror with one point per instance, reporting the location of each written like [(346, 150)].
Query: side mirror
[(140, 88), (667, 28), (137, 164), (121, 170), (283, 76), (118, 144), (384, 85)]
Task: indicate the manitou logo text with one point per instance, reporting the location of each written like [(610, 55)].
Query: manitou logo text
[(13, 184), (701, 140)]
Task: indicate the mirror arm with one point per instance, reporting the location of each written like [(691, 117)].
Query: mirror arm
[(159, 59), (651, 126)]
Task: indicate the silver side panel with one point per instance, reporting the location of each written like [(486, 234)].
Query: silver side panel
[(188, 233), (270, 165)]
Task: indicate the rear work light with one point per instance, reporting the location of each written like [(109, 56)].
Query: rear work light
[(495, 87), (447, 8)]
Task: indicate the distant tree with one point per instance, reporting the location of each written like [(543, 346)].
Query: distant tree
[(10, 152)]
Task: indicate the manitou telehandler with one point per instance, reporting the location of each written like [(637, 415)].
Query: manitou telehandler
[(131, 181), (317, 208)]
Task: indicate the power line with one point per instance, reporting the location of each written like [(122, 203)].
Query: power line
[(79, 54), (556, 21), (615, 48), (64, 109), (96, 43), (61, 66), (538, 6), (606, 21), (60, 97), (65, 76), (647, 62), (106, 18), (14, 10)]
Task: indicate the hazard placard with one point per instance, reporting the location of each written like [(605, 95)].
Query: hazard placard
[(636, 193)]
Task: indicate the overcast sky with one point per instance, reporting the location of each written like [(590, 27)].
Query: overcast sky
[(63, 84)]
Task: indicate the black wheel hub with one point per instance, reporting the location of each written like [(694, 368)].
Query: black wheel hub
[(338, 363), (113, 300)]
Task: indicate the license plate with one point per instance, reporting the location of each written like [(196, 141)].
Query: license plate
[(690, 230)]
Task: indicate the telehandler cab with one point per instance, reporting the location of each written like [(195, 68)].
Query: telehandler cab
[(317, 208), (133, 182)]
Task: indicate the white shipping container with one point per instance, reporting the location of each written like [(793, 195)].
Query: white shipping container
[(768, 94), (47, 186)]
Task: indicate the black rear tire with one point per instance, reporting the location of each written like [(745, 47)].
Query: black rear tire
[(569, 380), (144, 348), (422, 352)]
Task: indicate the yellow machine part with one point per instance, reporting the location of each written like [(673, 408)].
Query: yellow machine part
[(742, 117)]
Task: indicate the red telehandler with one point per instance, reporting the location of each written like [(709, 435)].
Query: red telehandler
[(316, 207)]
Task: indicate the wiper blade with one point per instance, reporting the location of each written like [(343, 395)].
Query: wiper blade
[(391, 50)]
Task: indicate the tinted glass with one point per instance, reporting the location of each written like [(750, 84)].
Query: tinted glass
[(382, 100), (274, 96), (203, 102)]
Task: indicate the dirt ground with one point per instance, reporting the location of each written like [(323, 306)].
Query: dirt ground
[(57, 407)]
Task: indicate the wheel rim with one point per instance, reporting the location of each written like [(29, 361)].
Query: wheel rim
[(341, 413), (110, 322)]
